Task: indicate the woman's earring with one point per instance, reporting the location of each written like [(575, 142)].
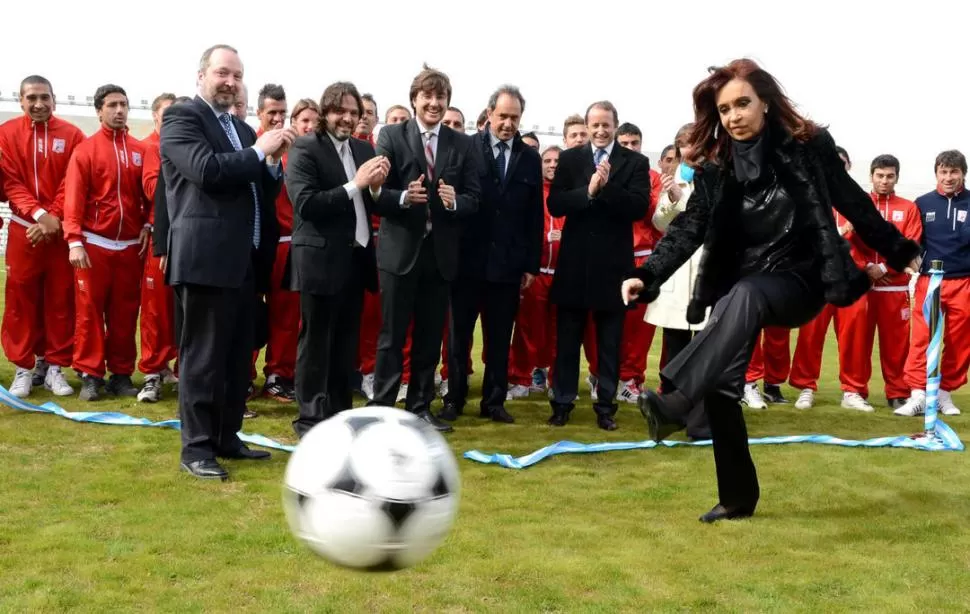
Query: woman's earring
[(766, 110)]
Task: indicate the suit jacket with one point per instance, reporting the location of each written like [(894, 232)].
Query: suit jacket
[(402, 228), (324, 218), (504, 239), (210, 202), (597, 237)]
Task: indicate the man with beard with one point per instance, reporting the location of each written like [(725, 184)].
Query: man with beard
[(368, 120), (39, 309), (334, 181), (434, 183), (218, 175)]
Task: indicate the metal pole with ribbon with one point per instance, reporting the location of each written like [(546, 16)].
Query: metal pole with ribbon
[(934, 319)]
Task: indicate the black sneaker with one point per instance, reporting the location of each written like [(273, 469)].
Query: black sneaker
[(121, 386), (39, 373), (773, 394), (89, 388), (280, 389)]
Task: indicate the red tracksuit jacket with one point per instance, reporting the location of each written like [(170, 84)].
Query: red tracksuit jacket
[(905, 216), (34, 164), (103, 192), (151, 168)]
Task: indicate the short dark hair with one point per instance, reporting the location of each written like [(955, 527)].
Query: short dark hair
[(884, 161), (271, 91), (369, 98), (628, 128), (606, 105), (951, 158), (458, 111), (663, 154), (482, 118), (35, 80), (333, 100), (430, 80), (181, 99), (531, 135), (106, 90), (508, 90), (207, 55), (165, 97), (842, 152)]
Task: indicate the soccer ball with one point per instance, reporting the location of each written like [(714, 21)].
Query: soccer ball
[(374, 488)]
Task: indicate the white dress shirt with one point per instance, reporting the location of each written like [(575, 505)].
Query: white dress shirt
[(362, 229)]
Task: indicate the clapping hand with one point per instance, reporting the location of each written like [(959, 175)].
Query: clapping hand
[(370, 174), (417, 194), (599, 178), (447, 194)]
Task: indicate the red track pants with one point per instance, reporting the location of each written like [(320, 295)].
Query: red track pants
[(771, 360), (955, 301), (158, 347), (855, 365)]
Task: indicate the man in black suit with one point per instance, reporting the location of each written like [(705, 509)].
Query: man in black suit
[(332, 180), (433, 180), (499, 256), (601, 189), (220, 184)]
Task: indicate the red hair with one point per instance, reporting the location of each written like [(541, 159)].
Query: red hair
[(708, 142)]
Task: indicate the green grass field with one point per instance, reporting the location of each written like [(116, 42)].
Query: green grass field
[(98, 518)]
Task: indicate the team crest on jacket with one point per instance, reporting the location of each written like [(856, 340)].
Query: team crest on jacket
[(136, 158), (57, 146), (897, 216)]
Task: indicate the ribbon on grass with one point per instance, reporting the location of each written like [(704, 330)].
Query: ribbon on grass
[(120, 419), (943, 439)]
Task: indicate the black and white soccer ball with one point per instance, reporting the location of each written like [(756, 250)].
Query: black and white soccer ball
[(374, 488)]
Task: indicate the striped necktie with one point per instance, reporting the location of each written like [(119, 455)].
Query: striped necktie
[(429, 154), (226, 122)]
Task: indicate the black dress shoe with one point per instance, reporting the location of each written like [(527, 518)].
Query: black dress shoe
[(206, 469), (605, 422), (559, 417), (498, 414), (659, 425), (773, 394), (450, 412), (719, 512), (441, 427), (245, 453)]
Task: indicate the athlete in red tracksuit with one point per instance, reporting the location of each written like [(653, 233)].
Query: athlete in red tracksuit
[(850, 329), (534, 337), (105, 227), (158, 348), (945, 214), (889, 302), (39, 312)]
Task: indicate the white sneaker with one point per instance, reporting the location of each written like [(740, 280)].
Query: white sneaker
[(443, 388), (517, 391), (402, 393), (752, 397), (169, 377), (55, 382), (629, 392), (151, 391), (854, 400), (592, 382), (22, 383), (367, 386), (947, 408), (806, 399), (914, 406)]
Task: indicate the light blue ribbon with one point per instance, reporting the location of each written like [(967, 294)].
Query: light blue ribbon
[(943, 439), (119, 419), (933, 351)]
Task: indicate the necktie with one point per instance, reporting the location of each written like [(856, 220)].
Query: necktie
[(234, 139), (361, 232), (500, 160), (600, 154), (429, 154)]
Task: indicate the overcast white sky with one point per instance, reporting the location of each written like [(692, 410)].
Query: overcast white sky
[(885, 79)]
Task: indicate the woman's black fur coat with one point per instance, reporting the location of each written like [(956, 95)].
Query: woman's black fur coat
[(815, 177)]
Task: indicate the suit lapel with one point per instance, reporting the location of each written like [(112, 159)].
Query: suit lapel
[(515, 152), (215, 128), (445, 136), (618, 159), (416, 143), (588, 167)]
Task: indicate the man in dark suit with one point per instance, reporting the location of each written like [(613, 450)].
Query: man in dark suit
[(220, 183), (332, 180), (499, 256), (601, 189), (434, 183)]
